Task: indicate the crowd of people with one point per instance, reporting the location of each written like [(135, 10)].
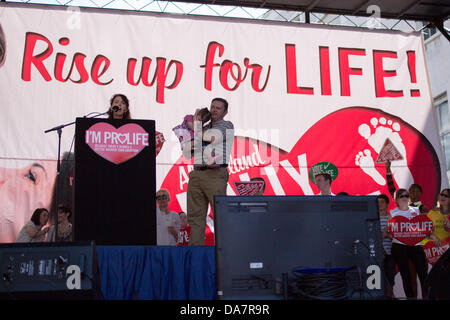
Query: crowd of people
[(410, 260)]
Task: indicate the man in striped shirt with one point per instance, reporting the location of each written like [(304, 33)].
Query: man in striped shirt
[(210, 174)]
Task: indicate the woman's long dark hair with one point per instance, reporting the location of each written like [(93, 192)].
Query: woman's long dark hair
[(127, 114), (36, 217)]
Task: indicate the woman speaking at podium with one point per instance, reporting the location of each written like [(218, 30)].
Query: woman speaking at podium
[(119, 107)]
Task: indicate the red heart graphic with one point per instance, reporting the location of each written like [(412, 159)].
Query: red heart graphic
[(433, 252), (410, 231), (350, 138), (122, 138), (159, 141), (248, 188), (116, 145)]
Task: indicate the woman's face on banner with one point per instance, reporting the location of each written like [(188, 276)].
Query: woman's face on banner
[(21, 192)]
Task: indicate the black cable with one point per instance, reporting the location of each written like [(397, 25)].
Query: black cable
[(321, 286)]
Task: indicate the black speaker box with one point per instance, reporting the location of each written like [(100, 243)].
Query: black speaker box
[(41, 271)]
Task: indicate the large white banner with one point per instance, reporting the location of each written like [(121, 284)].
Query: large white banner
[(298, 95)]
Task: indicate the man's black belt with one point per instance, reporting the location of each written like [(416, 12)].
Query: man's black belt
[(201, 168)]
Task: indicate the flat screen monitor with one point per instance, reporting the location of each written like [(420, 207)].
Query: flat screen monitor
[(270, 247)]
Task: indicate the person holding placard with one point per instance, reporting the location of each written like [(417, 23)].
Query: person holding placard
[(441, 219), (401, 252), (415, 193)]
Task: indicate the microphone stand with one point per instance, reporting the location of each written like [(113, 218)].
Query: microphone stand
[(58, 129)]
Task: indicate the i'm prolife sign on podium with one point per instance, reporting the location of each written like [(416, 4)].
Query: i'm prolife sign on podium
[(115, 181)]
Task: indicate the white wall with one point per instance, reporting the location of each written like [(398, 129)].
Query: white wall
[(437, 50)]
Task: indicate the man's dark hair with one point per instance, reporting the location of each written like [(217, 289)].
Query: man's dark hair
[(327, 176), (225, 102), (415, 185), (384, 197), (65, 209)]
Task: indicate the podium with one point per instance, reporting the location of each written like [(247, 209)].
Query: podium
[(115, 181)]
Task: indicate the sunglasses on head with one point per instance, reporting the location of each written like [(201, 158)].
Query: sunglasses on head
[(161, 197), (444, 195), (404, 196)]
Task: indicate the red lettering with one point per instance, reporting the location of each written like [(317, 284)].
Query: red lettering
[(325, 76), (412, 72), (231, 69), (345, 70), (380, 74), (227, 69), (37, 60), (256, 75), (291, 73), (161, 76), (209, 62), (79, 64), (77, 61), (144, 74), (99, 67)]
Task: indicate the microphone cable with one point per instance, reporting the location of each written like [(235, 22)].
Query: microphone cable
[(328, 285)]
